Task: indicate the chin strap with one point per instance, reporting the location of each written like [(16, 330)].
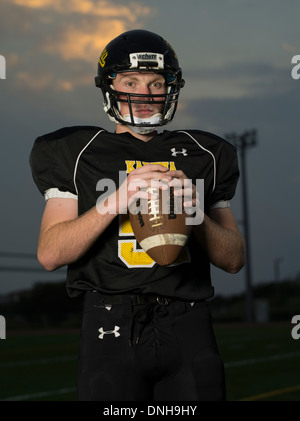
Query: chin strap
[(154, 121)]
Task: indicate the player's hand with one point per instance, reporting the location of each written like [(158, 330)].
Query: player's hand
[(184, 187), (137, 183)]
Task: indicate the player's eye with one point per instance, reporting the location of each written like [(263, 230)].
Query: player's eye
[(130, 84), (157, 85)]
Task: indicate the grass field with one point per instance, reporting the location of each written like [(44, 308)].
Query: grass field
[(262, 362)]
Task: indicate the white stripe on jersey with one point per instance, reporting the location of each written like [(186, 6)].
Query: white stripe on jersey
[(78, 157), (202, 147)]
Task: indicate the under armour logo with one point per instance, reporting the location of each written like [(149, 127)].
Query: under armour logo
[(109, 332), (183, 152)]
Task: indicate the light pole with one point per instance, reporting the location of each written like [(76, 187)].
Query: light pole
[(276, 266), (242, 142)]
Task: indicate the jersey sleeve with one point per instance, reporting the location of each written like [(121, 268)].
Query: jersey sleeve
[(53, 159), (227, 175), (50, 166)]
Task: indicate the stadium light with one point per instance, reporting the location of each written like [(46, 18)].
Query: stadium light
[(242, 142)]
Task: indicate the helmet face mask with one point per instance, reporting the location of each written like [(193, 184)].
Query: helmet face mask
[(114, 98), (143, 52)]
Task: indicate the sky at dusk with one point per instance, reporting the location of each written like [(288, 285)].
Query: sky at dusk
[(236, 57)]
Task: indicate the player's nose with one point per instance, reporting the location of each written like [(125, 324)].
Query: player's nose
[(144, 89)]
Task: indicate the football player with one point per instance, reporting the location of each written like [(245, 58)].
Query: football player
[(146, 329)]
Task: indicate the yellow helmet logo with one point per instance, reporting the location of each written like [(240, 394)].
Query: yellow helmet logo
[(103, 57)]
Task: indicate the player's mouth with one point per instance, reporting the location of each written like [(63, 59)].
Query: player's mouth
[(144, 112)]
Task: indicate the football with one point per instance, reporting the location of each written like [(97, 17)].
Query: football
[(159, 225)]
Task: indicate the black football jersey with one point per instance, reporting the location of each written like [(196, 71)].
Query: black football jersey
[(77, 160)]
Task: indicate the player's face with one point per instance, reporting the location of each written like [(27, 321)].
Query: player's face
[(141, 83)]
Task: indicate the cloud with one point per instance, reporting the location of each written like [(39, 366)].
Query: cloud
[(25, 79), (237, 80), (83, 42), (42, 81), (289, 47), (102, 8), (64, 36), (35, 4)]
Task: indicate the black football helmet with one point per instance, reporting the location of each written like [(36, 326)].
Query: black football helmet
[(139, 51)]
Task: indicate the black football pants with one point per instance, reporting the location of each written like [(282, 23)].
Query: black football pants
[(148, 352)]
